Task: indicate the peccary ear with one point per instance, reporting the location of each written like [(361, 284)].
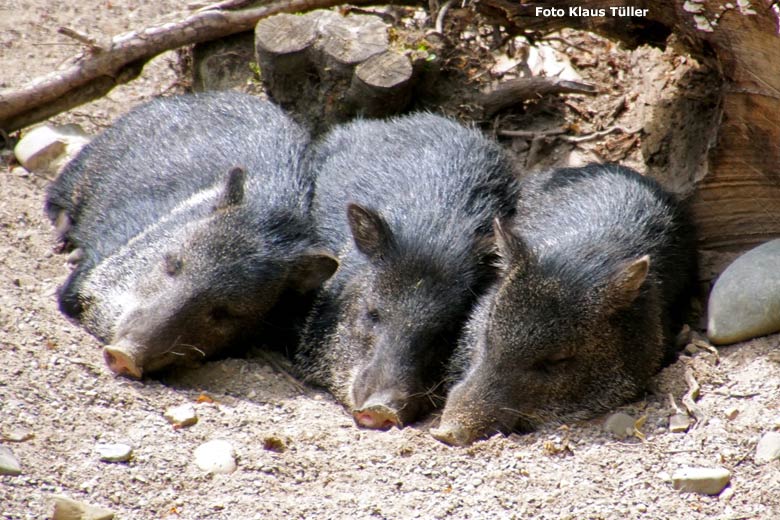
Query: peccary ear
[(511, 248), (624, 286), (233, 194), (311, 270), (371, 233)]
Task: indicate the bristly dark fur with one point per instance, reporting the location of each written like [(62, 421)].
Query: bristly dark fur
[(193, 217), (388, 320), (599, 267)]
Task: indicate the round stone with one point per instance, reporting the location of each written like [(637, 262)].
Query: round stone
[(745, 301), (217, 456)]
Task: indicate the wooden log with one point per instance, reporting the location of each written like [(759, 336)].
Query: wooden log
[(347, 41), (325, 67), (381, 85), (282, 48)]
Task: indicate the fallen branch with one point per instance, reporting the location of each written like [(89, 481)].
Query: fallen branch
[(514, 91), (530, 134), (91, 74), (600, 133), (690, 397)]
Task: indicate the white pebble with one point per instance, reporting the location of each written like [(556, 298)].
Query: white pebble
[(114, 452), (68, 509), (768, 448), (679, 423), (39, 147), (217, 456), (707, 481), (9, 464), (182, 415)]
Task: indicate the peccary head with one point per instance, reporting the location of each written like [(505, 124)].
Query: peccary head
[(202, 279), (400, 318), (551, 342)]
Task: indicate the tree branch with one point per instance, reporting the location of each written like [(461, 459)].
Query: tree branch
[(90, 75)]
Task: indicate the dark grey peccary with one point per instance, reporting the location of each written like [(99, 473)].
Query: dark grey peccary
[(407, 204), (598, 270), (192, 218)]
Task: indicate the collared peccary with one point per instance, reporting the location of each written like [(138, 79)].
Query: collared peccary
[(407, 203), (598, 269), (192, 218)]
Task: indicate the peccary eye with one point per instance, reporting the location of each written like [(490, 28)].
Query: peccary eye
[(553, 363), (172, 264), (372, 315)]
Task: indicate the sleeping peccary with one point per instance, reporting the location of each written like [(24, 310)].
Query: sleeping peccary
[(191, 220), (598, 269), (407, 204)]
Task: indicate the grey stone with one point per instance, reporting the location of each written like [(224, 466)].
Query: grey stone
[(68, 509), (745, 301), (707, 481), (9, 464), (768, 448), (17, 435), (114, 452), (620, 424), (217, 456), (679, 423)]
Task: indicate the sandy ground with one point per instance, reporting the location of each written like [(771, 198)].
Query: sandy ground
[(299, 454)]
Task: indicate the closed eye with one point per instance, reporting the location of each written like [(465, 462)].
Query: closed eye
[(373, 315)]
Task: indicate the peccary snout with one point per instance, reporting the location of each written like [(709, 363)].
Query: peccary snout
[(124, 359), (381, 411)]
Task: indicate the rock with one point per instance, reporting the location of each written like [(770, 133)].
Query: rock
[(114, 452), (707, 481), (16, 435), (9, 464), (181, 416), (620, 424), (217, 456), (768, 448), (679, 423), (67, 509), (274, 443), (745, 301), (41, 147)]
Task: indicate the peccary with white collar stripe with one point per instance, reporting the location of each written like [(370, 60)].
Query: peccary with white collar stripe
[(598, 269), (191, 215)]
